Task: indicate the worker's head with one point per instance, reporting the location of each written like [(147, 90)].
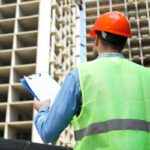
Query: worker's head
[(111, 31)]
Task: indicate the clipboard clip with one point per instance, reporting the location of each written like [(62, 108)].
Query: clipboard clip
[(35, 75)]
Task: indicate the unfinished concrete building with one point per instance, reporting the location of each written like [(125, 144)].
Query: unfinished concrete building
[(138, 12), (49, 35), (35, 36)]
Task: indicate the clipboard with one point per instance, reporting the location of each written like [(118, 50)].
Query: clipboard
[(41, 85)]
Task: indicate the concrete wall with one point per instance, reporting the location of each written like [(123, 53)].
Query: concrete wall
[(35, 36)]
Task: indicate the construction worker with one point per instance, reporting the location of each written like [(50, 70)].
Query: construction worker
[(107, 100)]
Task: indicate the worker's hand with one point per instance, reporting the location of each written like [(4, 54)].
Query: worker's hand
[(38, 104)]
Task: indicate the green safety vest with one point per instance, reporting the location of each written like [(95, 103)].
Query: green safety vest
[(115, 112)]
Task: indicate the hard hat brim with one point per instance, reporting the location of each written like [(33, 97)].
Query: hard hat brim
[(93, 33)]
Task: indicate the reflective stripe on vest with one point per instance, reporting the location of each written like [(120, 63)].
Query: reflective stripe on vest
[(110, 125)]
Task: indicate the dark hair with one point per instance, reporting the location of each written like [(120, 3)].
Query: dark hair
[(116, 42)]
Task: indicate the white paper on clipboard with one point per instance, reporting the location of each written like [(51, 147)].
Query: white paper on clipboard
[(43, 86)]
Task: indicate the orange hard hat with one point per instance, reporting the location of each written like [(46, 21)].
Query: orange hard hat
[(112, 22)]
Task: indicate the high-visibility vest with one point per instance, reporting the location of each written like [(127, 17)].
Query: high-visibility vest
[(115, 113)]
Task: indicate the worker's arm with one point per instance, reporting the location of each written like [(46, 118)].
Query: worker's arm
[(50, 123)]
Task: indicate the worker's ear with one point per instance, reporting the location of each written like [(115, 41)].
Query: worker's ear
[(96, 41), (95, 46)]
